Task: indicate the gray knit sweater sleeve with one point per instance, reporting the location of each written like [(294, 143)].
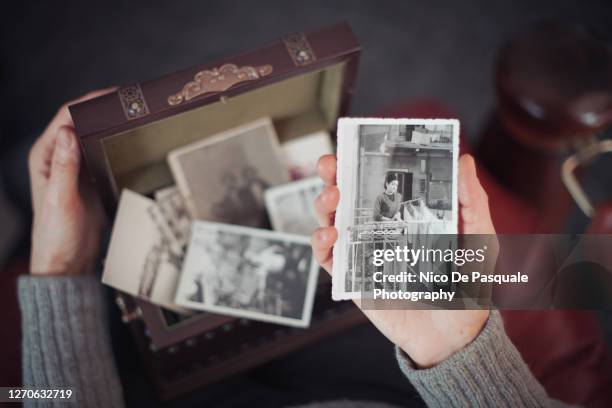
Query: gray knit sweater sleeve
[(489, 372), (66, 341), (66, 344)]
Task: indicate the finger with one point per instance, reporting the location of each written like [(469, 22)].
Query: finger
[(63, 118), (473, 199), (39, 165), (63, 186), (322, 242), (41, 154), (326, 204), (326, 168)]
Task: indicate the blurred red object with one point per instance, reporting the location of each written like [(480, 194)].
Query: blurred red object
[(601, 223), (554, 95)]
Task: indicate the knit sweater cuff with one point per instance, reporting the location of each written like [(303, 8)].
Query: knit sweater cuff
[(487, 372), (65, 338)]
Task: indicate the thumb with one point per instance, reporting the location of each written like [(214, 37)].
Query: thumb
[(63, 187), (473, 200)]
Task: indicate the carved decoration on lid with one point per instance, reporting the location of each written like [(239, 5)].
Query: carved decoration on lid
[(218, 80)]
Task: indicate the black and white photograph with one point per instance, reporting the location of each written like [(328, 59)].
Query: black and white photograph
[(223, 177), (174, 211), (398, 186), (251, 273), (140, 259), (291, 206), (302, 153)]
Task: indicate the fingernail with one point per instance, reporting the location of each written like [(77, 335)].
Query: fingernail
[(324, 196), (323, 235), (64, 139), (64, 145)]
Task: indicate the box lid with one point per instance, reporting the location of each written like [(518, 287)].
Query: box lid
[(136, 106)]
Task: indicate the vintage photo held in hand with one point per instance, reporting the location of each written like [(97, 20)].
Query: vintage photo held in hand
[(398, 187), (302, 154), (223, 177), (291, 206), (140, 258), (251, 273)]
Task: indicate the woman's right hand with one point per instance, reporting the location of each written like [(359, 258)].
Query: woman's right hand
[(427, 336)]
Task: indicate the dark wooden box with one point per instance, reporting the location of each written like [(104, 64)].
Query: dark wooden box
[(303, 82)]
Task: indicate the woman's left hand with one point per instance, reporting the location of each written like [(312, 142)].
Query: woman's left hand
[(67, 217)]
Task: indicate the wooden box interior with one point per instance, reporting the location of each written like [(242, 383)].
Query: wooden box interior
[(300, 105)]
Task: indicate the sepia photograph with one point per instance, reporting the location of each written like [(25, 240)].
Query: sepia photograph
[(291, 206), (398, 187), (140, 258), (251, 273), (223, 177)]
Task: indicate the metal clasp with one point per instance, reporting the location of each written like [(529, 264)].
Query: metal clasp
[(582, 156), (126, 315)]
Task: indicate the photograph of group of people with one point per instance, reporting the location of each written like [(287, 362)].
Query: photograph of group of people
[(246, 272)]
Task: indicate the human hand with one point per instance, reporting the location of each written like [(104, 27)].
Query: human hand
[(67, 215), (427, 336)]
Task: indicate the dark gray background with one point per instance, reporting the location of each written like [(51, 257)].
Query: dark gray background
[(55, 51)]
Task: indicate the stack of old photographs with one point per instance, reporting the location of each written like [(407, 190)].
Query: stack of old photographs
[(204, 244)]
